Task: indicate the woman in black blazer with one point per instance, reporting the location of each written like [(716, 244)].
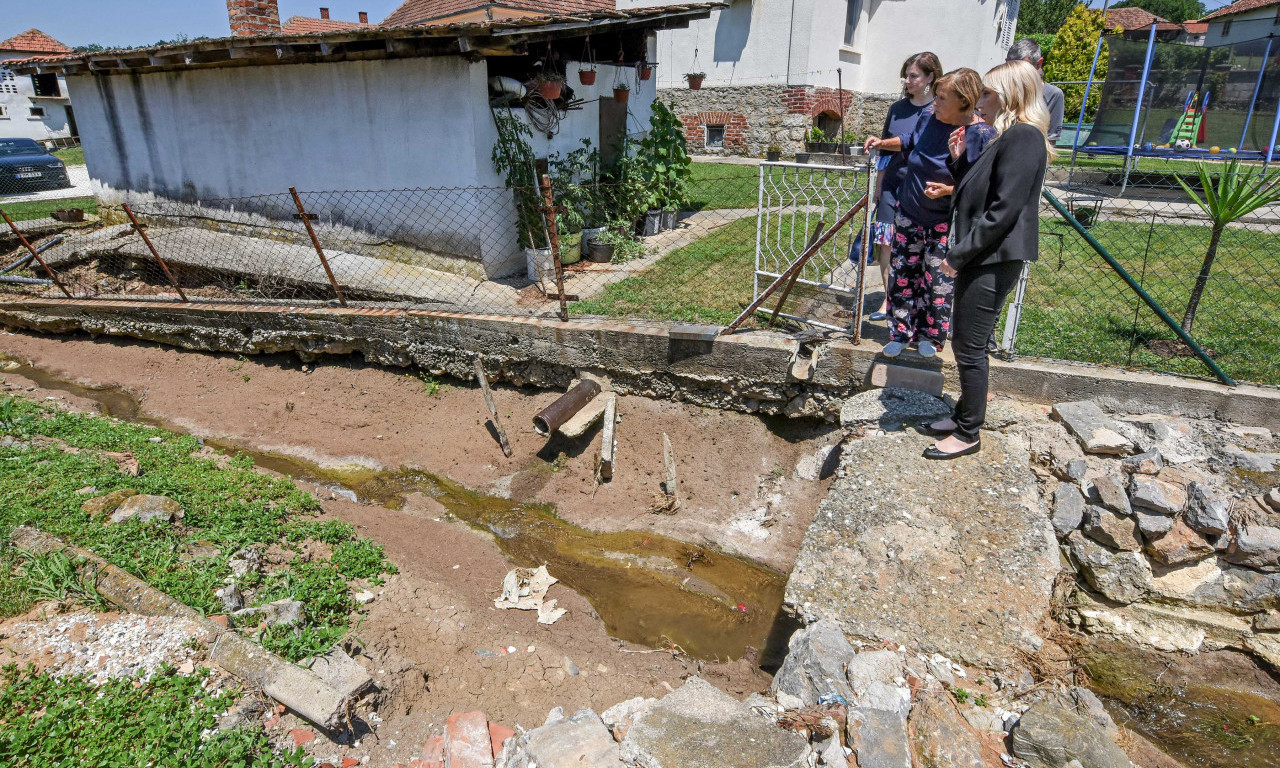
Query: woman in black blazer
[(995, 214)]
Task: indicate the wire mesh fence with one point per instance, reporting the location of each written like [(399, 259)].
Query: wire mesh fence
[(486, 250)]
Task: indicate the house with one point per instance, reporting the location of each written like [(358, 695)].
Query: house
[(1135, 24), (1242, 20), (34, 106), (403, 105), (459, 11), (306, 25), (775, 67)]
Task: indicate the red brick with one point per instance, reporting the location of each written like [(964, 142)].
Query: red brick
[(467, 736), (220, 619), (301, 736), (349, 762), (497, 734)]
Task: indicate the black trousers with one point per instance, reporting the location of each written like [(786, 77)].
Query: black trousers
[(980, 295)]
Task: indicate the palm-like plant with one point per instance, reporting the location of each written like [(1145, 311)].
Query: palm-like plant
[(1232, 196)]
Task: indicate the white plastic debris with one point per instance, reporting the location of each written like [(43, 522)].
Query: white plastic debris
[(526, 590)]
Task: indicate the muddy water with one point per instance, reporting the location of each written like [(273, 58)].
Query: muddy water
[(647, 589), (1212, 710)]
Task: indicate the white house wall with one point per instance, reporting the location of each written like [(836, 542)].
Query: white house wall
[(16, 121), (231, 132), (1249, 25)]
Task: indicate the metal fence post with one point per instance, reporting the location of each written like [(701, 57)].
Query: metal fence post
[(1009, 342), (36, 254), (138, 228), (868, 218), (315, 241)]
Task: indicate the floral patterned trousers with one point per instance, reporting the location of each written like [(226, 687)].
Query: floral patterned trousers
[(919, 294)]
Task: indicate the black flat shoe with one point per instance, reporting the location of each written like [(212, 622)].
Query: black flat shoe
[(928, 429), (933, 453)]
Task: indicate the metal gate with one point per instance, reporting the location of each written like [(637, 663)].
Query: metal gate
[(797, 204)]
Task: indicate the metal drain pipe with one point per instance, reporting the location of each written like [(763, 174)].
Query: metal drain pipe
[(550, 418)]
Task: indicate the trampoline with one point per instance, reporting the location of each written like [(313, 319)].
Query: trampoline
[(1181, 102)]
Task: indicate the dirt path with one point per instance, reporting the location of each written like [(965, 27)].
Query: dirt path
[(433, 638)]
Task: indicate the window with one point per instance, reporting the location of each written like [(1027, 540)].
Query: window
[(46, 85), (37, 112), (4, 112), (715, 136), (852, 13), (1226, 27), (8, 82)]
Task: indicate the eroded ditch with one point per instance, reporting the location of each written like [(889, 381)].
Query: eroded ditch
[(647, 588)]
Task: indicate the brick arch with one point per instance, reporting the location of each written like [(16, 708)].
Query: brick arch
[(825, 103)]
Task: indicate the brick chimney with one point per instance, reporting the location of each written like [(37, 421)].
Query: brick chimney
[(253, 17), (364, 17), (324, 13)]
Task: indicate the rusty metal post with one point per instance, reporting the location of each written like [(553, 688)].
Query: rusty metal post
[(138, 228), (52, 275), (306, 221), (549, 210)]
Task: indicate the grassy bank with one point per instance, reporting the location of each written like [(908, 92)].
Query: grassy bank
[(42, 209)]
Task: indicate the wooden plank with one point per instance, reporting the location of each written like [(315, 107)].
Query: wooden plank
[(669, 458), (493, 410), (608, 444)]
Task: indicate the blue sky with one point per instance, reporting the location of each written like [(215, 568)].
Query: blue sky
[(139, 22)]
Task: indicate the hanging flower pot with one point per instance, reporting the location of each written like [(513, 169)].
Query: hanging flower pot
[(646, 71), (621, 92), (695, 80), (550, 86), (587, 76)]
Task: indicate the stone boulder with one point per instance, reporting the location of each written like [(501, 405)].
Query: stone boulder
[(145, 508), (699, 726), (1148, 463), (941, 736), (1068, 509), (578, 741), (1112, 529), (1097, 432), (107, 503), (1207, 511), (1051, 736), (878, 738), (1179, 546), (1256, 546), (874, 678), (1123, 577), (1156, 495), (815, 664), (1111, 494)]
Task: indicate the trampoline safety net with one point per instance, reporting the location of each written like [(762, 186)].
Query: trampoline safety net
[(1223, 96)]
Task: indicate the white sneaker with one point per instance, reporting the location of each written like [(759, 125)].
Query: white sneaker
[(927, 349), (894, 348)]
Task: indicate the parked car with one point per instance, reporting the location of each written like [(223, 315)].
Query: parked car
[(26, 166)]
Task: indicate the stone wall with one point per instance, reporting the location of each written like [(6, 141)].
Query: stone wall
[(757, 116)]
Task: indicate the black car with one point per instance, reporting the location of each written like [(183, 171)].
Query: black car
[(26, 166)]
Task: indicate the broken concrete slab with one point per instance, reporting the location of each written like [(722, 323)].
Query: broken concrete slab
[(901, 550), (1097, 432), (892, 409), (583, 420), (340, 671), (281, 613), (891, 376), (467, 743), (578, 741), (699, 726), (815, 664)]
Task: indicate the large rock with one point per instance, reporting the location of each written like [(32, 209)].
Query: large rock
[(578, 741), (1114, 530), (1175, 439), (1251, 461), (953, 557), (892, 408), (145, 508), (1207, 511), (1068, 508), (878, 738), (1112, 495), (1148, 463), (1156, 495), (698, 726), (941, 736), (1179, 546), (107, 503), (1051, 736), (1097, 432), (1119, 576), (873, 678), (1256, 546), (1153, 524), (815, 664)]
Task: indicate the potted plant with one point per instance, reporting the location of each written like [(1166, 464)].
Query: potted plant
[(695, 80), (773, 154), (646, 70), (815, 140), (621, 91), (587, 74), (550, 85)]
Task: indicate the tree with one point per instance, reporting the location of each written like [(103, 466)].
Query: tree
[(1072, 56), (1234, 195), (1173, 10), (1042, 17)]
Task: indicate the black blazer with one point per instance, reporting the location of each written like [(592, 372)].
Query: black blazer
[(995, 208)]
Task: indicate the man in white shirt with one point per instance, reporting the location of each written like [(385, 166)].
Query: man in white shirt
[(1028, 50)]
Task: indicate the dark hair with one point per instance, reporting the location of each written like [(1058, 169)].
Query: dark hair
[(927, 63), (1027, 50), (965, 83)]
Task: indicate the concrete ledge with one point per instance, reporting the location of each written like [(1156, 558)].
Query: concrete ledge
[(745, 371)]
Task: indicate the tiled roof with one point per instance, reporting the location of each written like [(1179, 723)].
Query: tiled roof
[(1240, 6), (413, 12), (33, 41), (1131, 18), (306, 25)]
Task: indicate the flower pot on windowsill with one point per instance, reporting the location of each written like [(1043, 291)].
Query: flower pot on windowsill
[(587, 76), (646, 71), (621, 95), (695, 80)]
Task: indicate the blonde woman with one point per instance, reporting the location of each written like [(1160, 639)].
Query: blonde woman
[(996, 210)]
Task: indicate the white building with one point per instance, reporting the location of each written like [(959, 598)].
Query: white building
[(33, 106), (374, 108), (774, 67), (1242, 20)]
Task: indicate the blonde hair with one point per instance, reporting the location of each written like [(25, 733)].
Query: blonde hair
[(1019, 87), (964, 83)]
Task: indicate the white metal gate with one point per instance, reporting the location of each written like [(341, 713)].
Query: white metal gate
[(798, 202)]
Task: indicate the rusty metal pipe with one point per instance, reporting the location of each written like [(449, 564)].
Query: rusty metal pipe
[(550, 418)]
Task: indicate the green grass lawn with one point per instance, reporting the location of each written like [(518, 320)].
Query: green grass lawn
[(723, 185), (71, 155), (42, 209)]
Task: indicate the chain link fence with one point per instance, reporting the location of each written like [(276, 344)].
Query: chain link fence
[(485, 250)]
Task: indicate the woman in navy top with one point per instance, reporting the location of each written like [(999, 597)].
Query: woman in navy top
[(919, 72), (920, 293)]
